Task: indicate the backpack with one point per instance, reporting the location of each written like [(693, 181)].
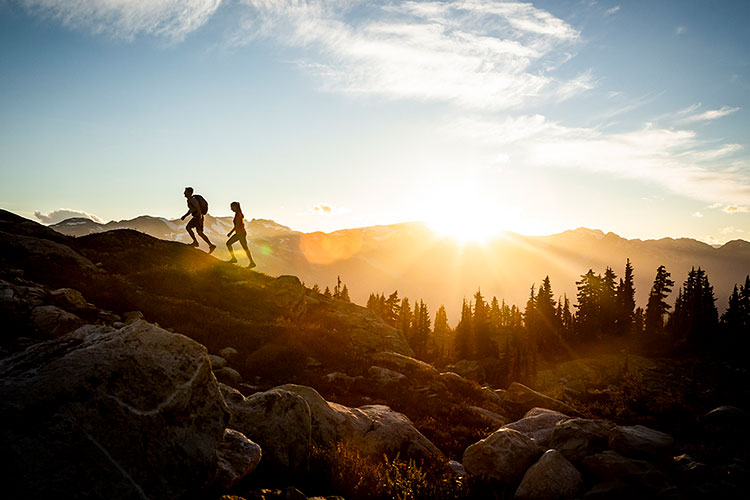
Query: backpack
[(202, 203)]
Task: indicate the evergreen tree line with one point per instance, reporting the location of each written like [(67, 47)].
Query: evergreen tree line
[(340, 291), (548, 327)]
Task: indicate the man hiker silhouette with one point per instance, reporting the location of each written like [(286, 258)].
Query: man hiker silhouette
[(240, 234), (197, 207)]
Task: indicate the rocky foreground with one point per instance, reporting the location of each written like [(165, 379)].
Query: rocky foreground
[(105, 404)]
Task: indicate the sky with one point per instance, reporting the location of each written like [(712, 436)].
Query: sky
[(630, 117)]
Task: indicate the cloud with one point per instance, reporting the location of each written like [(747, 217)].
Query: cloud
[(64, 213), (125, 19), (736, 209), (613, 10), (731, 230), (709, 115), (325, 209), (475, 54), (673, 159), (680, 30), (698, 214)]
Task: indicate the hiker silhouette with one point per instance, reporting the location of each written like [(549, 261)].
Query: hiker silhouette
[(198, 208), (240, 234)]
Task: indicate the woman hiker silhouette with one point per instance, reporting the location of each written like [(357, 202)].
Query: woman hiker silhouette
[(240, 234)]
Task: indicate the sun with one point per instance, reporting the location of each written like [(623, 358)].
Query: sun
[(464, 213)]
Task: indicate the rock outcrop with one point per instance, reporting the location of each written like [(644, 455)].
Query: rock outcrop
[(107, 413), (552, 477), (502, 457), (237, 457)]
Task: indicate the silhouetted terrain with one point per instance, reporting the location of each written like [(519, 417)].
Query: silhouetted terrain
[(98, 395), (405, 257)]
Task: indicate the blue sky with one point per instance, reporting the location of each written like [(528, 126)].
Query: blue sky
[(534, 117)]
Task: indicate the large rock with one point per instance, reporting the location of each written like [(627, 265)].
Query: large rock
[(404, 364), (278, 420), (375, 430), (105, 413), (577, 438), (523, 399), (287, 294), (238, 457), (538, 424), (552, 477), (613, 472), (53, 322), (641, 442), (502, 457)]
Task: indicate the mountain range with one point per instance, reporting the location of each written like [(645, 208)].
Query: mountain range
[(420, 264)]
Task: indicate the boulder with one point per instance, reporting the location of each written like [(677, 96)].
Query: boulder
[(494, 419), (132, 316), (577, 438), (641, 442), (105, 413), (69, 299), (384, 376), (53, 322), (404, 364), (551, 477), (278, 420), (228, 375), (217, 362), (237, 457), (287, 294), (612, 468), (725, 419), (538, 424), (502, 457), (375, 430), (458, 384), (469, 369), (524, 399), (228, 353)]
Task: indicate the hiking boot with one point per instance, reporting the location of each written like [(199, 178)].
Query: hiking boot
[(211, 248), (232, 260), (194, 244), (251, 265)]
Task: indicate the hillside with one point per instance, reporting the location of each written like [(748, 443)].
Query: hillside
[(404, 257), (122, 351)]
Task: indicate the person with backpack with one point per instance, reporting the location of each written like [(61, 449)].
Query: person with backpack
[(240, 234), (198, 208)]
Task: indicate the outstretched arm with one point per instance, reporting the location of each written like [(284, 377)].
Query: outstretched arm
[(230, 232)]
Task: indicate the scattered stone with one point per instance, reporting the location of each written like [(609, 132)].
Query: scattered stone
[(228, 353), (469, 369), (552, 477), (725, 419), (502, 457), (278, 420), (217, 362), (228, 375), (385, 376), (375, 430), (611, 467), (237, 457), (577, 438), (524, 399), (641, 442), (538, 424), (69, 299), (53, 322), (495, 419), (132, 316)]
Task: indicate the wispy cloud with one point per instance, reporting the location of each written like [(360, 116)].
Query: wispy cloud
[(670, 158), (125, 19), (475, 54), (64, 213), (711, 114), (613, 10), (698, 214), (736, 209), (680, 30), (325, 209)]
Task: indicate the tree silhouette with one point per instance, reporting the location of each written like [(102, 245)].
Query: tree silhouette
[(695, 317), (657, 307)]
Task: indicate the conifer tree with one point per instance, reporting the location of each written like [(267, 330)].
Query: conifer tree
[(657, 306), (390, 309), (626, 300), (695, 317), (315, 288), (327, 293), (608, 305), (344, 295), (463, 338), (405, 319), (481, 325), (588, 316), (442, 333)]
